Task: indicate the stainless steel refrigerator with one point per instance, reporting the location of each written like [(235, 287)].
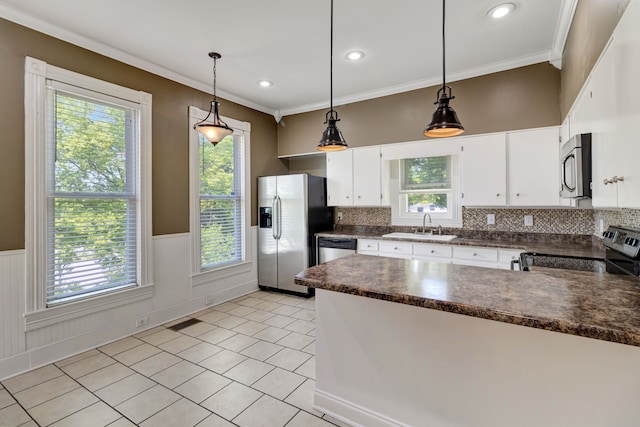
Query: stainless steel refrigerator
[(291, 209)]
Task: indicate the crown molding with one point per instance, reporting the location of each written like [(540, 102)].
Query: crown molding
[(421, 84), (567, 10)]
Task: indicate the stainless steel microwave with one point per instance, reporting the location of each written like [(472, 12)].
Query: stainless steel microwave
[(575, 167)]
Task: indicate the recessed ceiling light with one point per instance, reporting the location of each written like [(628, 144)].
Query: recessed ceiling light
[(501, 10), (265, 83), (354, 55)]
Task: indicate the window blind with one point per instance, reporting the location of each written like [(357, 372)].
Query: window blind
[(221, 202), (92, 202)]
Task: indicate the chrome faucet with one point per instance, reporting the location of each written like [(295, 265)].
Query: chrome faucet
[(439, 230), (424, 217)]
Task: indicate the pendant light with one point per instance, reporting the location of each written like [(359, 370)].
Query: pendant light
[(216, 131), (444, 122), (332, 139)]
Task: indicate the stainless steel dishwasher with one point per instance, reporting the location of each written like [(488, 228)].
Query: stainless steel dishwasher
[(334, 247)]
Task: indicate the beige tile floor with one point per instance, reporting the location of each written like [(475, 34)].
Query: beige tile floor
[(249, 363)]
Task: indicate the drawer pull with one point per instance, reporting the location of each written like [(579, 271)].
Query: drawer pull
[(475, 254), (395, 248), (432, 251)]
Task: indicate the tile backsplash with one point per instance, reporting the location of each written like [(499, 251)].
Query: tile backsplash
[(549, 221), (555, 221)]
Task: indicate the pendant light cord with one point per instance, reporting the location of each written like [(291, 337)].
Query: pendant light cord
[(331, 65), (443, 55)]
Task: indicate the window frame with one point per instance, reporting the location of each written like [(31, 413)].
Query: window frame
[(37, 73), (199, 275), (419, 149)]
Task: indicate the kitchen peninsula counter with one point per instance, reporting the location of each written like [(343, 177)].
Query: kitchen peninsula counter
[(409, 342), (594, 305)]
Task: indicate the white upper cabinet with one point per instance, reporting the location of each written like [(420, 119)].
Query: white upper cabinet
[(340, 178), (367, 179), (533, 172), (484, 170), (615, 114), (513, 169), (354, 177), (627, 96), (602, 127)]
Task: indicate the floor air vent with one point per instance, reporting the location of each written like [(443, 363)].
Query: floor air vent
[(184, 324)]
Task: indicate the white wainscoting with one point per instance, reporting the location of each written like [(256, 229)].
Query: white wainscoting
[(12, 303), (173, 297)]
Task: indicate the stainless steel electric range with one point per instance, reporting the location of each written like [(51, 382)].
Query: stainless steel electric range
[(622, 250)]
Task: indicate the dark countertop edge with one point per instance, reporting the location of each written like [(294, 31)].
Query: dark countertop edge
[(552, 325), (537, 248)]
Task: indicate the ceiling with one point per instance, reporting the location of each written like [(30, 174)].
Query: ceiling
[(287, 42)]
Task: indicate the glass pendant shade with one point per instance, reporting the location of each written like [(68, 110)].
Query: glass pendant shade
[(444, 122), (216, 131), (332, 139)]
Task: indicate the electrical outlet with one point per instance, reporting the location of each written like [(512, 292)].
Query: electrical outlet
[(339, 216), (141, 322), (210, 300), (491, 219), (528, 220)]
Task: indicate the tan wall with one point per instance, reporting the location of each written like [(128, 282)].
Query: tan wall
[(521, 98), (170, 129), (592, 26)]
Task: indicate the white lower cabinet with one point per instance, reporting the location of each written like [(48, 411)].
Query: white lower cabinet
[(432, 252), (451, 254), (395, 249), (367, 247)]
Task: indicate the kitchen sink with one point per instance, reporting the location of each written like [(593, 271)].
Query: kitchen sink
[(421, 236)]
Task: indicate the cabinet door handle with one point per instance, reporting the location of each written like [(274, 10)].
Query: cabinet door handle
[(359, 197), (498, 195), (517, 194), (618, 178), (608, 181), (432, 251), (475, 254)]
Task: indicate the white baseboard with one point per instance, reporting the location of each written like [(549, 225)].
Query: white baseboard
[(355, 415)]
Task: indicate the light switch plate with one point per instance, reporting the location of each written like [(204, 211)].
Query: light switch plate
[(528, 220), (491, 219)]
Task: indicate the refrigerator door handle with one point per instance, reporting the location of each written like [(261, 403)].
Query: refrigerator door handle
[(279, 218), (274, 228)]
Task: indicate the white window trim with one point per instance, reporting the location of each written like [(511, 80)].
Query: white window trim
[(199, 277), (416, 149), (38, 315)]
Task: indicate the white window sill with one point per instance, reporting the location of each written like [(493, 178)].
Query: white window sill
[(209, 276), (73, 310)]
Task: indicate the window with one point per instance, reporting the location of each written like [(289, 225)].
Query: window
[(88, 204), (219, 189), (425, 185)]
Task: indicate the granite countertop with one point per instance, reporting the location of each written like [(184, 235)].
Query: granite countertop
[(536, 244), (594, 305)]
